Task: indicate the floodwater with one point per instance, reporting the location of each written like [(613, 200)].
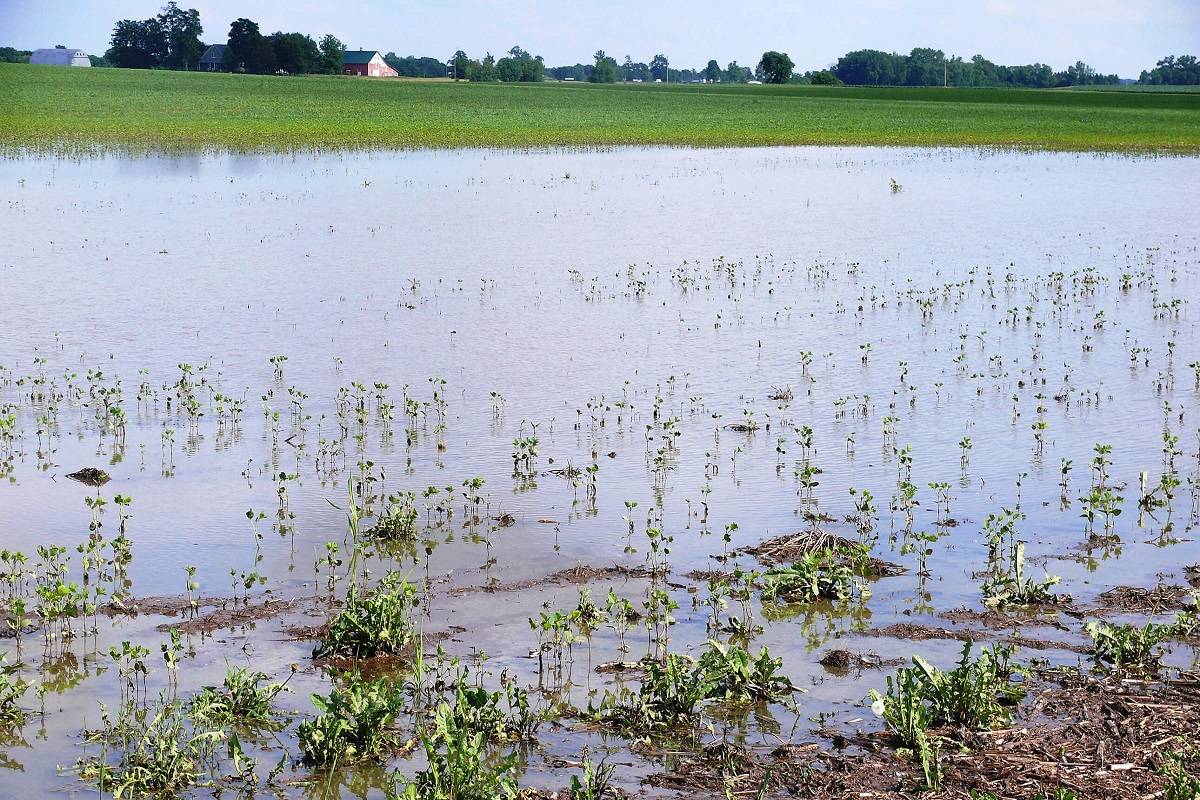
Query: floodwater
[(599, 294)]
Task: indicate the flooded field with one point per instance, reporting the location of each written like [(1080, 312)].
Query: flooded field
[(848, 405)]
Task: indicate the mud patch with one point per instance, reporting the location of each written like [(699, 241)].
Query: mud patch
[(1133, 599), (791, 547), (921, 633), (1001, 621), (841, 662), (726, 769), (706, 575), (1104, 737), (162, 606), (381, 665), (572, 576), (232, 617)]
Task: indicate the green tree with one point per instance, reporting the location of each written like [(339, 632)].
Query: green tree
[(296, 53), (519, 65), (660, 68), (1172, 71), (482, 71), (775, 67), (138, 44), (331, 54), (712, 73), (925, 67), (182, 30), (458, 65), (605, 69), (823, 78), (249, 49)]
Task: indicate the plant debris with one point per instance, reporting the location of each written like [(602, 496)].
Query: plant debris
[(90, 476)]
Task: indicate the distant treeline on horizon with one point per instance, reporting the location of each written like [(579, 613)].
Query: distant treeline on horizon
[(171, 40)]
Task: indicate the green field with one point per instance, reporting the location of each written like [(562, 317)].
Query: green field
[(53, 109)]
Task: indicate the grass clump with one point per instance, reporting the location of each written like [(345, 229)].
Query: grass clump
[(1181, 785), (477, 710), (11, 692), (242, 699), (826, 574), (973, 695), (734, 675), (355, 724), (398, 520), (1128, 646), (372, 624), (1009, 587), (458, 762), (672, 689), (157, 753)]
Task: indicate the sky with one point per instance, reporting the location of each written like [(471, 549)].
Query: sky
[(1121, 36)]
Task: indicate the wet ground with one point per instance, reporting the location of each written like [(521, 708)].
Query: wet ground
[(635, 310)]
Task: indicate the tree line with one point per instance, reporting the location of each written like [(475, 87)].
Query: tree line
[(928, 67), (1172, 71), (171, 40)]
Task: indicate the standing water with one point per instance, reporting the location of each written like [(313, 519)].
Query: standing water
[(515, 377)]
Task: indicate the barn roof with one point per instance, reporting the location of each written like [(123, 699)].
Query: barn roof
[(214, 53), (358, 56), (57, 55)]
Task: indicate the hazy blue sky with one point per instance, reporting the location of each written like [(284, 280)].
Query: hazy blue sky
[(1122, 36)]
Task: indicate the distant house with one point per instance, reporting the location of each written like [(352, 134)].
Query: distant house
[(60, 57), (213, 58), (366, 63)]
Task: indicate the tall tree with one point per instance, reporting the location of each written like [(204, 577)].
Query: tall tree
[(331, 54), (138, 44), (249, 49), (458, 65), (775, 67), (605, 69), (660, 68), (182, 29), (482, 71), (712, 73), (295, 53)]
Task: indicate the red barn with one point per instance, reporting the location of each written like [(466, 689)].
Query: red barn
[(366, 63)]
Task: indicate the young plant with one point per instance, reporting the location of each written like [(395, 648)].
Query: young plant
[(377, 623), (355, 724)]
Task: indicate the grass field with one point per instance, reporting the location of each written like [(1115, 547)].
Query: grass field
[(52, 109)]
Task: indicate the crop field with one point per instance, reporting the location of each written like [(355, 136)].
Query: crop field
[(72, 111)]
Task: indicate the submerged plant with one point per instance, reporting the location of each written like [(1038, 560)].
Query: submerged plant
[(816, 575), (458, 764), (243, 699), (377, 623), (1009, 586), (155, 754), (1128, 645), (355, 724)]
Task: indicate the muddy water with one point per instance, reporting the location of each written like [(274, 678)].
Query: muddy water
[(598, 294)]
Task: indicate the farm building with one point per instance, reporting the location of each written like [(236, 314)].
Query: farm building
[(60, 57), (213, 58), (366, 62)]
